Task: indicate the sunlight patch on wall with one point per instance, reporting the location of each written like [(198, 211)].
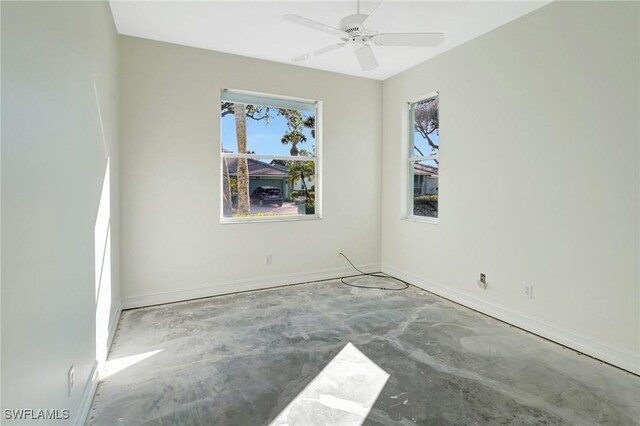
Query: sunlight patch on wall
[(102, 241)]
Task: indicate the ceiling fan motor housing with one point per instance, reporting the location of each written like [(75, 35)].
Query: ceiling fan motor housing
[(352, 25), (352, 33)]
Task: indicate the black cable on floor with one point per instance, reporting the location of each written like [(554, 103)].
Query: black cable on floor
[(374, 275)]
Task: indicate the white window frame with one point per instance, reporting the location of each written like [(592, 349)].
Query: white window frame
[(410, 159), (254, 98)]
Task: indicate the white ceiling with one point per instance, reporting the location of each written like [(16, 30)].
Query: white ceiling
[(256, 28)]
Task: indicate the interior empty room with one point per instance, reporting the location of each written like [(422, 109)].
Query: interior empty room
[(230, 213)]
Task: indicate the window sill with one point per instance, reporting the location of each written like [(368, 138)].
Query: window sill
[(422, 219), (263, 219)]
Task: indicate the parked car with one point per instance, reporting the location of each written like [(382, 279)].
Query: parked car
[(267, 194)]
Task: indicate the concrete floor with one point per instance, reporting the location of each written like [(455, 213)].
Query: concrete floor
[(242, 359)]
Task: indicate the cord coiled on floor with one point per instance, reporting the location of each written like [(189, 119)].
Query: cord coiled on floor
[(371, 274)]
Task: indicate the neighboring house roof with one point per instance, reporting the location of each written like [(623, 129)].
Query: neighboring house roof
[(424, 170), (258, 168)]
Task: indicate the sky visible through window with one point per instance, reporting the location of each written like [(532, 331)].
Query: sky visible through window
[(422, 144), (426, 121), (264, 137)]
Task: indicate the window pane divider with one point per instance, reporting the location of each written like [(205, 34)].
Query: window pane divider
[(426, 157), (269, 157)]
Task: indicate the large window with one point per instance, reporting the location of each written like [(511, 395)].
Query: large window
[(424, 165), (269, 157)]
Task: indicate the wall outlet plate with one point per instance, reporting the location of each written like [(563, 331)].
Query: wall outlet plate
[(482, 282), (528, 291), (269, 259)]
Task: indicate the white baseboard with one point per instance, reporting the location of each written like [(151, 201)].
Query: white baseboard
[(113, 327), (239, 286), (619, 357), (87, 397), (94, 378)]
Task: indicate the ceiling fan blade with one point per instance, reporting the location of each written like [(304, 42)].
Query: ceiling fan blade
[(409, 39), (366, 58), (300, 20), (318, 52)]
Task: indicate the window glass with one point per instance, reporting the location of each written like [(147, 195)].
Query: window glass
[(423, 160), (426, 140), (270, 131), (425, 188), (269, 157)]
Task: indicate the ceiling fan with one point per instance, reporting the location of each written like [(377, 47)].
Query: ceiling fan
[(352, 32)]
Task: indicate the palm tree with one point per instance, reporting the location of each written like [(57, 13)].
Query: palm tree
[(293, 138), (226, 191), (310, 123), (242, 169), (296, 124), (301, 170)]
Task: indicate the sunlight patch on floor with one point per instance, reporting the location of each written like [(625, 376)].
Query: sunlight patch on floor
[(114, 366), (342, 394)]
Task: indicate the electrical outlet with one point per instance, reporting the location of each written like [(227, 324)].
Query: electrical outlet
[(482, 282), (269, 259), (71, 379), (528, 291), (339, 251)]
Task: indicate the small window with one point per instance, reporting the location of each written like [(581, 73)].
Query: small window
[(424, 164), (269, 157)]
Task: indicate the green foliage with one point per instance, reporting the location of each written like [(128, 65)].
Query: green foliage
[(425, 199), (293, 138), (279, 162), (261, 214), (255, 214), (295, 125), (310, 123), (300, 170), (310, 207), (233, 184), (254, 112)]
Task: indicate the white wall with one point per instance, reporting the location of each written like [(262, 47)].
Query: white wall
[(539, 178), (59, 133), (173, 245)]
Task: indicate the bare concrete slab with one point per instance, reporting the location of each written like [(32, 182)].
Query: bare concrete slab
[(243, 359)]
